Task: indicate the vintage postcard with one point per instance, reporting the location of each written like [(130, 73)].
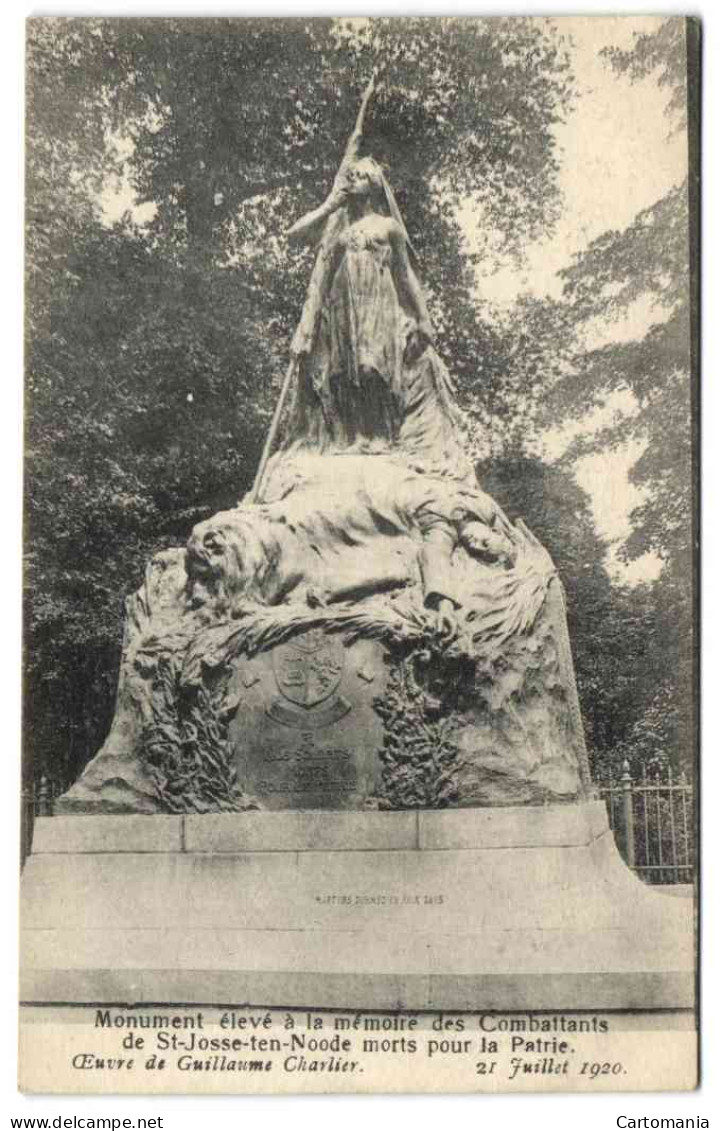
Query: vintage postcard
[(360, 602)]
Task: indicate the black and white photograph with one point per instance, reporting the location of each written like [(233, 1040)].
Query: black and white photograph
[(360, 670)]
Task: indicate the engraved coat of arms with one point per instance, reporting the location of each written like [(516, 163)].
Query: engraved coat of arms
[(308, 671)]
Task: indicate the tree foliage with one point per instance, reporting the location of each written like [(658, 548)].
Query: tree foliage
[(155, 346), (643, 272), (570, 356)]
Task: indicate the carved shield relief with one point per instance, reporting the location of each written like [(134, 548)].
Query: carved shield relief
[(308, 671), (309, 668)]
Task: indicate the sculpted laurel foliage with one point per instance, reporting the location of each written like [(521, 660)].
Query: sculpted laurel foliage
[(187, 750), (420, 761)]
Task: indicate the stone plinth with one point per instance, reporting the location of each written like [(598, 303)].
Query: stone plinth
[(525, 908)]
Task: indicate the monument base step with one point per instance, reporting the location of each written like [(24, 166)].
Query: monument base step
[(507, 909)]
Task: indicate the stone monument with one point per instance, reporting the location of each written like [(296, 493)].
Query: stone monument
[(347, 765)]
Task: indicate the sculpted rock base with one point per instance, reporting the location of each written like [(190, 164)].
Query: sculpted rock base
[(295, 656)]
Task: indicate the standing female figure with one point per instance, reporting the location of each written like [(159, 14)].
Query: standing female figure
[(368, 376)]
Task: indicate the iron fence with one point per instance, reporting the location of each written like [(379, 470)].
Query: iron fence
[(653, 818)]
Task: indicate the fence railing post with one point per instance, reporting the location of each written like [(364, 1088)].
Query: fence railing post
[(628, 813), (659, 849), (44, 798)]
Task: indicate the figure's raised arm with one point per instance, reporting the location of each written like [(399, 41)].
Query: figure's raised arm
[(352, 149), (309, 228)]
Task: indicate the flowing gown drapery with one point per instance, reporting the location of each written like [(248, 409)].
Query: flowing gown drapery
[(355, 389)]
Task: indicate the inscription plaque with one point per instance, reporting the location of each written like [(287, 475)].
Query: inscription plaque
[(306, 734)]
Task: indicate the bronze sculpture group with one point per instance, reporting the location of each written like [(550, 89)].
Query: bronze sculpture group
[(366, 522)]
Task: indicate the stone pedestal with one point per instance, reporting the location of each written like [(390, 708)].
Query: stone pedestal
[(518, 908)]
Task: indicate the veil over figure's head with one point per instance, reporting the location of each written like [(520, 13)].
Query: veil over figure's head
[(363, 176), (382, 194)]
